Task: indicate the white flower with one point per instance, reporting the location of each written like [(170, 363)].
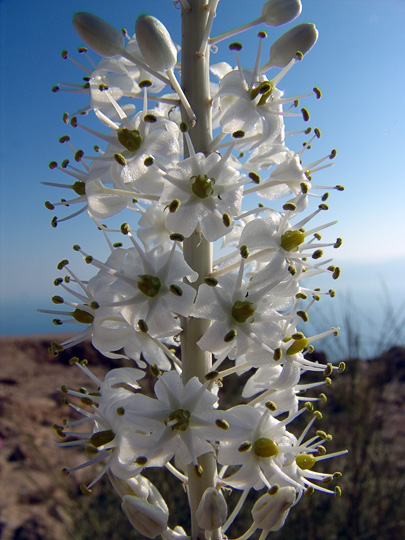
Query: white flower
[(111, 332), (146, 286), (255, 108), (254, 443), (245, 321), (209, 192), (181, 422)]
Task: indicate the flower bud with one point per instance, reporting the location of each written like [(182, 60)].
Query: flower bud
[(270, 511), (299, 38), (212, 510), (98, 34), (148, 519), (155, 43), (137, 486), (278, 12)]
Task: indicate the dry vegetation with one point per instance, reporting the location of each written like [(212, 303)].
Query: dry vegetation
[(365, 412)]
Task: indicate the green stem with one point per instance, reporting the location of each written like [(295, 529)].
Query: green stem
[(197, 251)]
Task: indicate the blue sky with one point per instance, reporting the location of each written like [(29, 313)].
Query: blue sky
[(358, 64)]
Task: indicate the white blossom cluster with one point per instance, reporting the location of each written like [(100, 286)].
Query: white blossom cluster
[(249, 310)]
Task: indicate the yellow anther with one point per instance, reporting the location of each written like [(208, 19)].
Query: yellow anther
[(305, 186), (142, 326), (226, 220), (173, 206), (119, 158), (290, 206), (198, 471), (176, 290), (317, 92), (271, 406), (317, 254), (254, 177), (303, 315), (177, 237), (85, 490), (244, 251), (336, 273), (150, 118), (156, 372), (328, 370), (342, 367), (305, 114), (245, 447), (211, 375), (230, 336), (222, 424)]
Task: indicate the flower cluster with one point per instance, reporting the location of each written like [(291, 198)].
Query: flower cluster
[(165, 299)]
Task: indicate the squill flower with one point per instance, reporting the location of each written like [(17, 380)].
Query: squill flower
[(208, 194), (147, 287)]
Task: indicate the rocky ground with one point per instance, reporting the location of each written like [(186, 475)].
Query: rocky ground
[(35, 497), (38, 503)]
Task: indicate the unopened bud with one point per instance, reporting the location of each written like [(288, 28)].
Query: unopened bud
[(155, 43), (212, 510), (278, 12), (148, 519), (270, 511), (98, 34), (300, 38)]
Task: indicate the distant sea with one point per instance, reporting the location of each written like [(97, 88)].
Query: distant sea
[(371, 321)]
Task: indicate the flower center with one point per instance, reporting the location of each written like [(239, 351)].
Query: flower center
[(149, 285), (305, 461), (202, 186), (290, 240), (265, 448), (130, 138), (178, 419), (241, 311), (265, 88)]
